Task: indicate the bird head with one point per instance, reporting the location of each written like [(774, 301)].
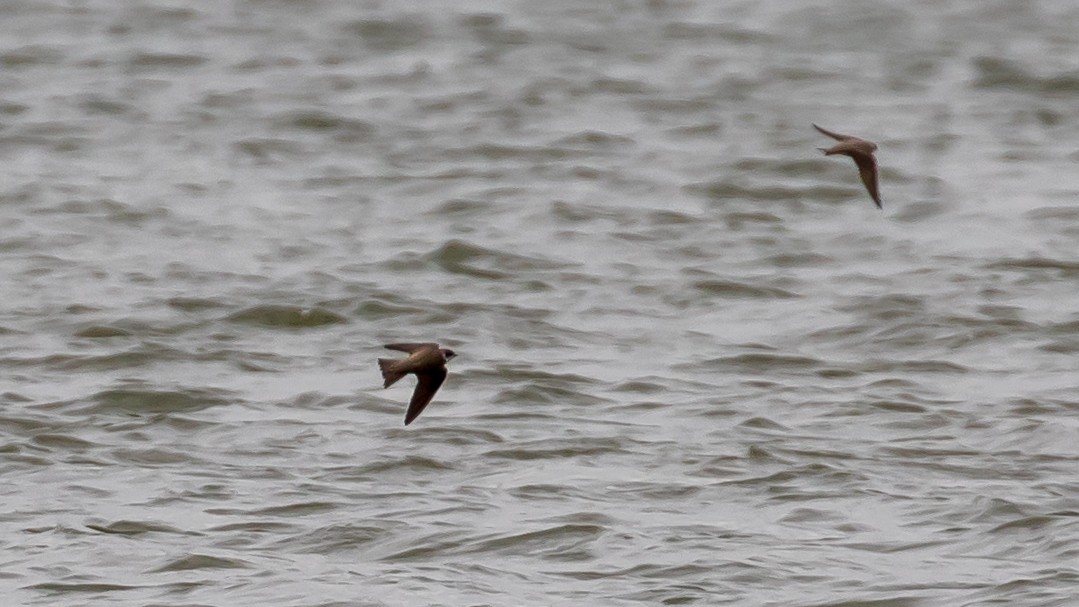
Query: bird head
[(447, 353)]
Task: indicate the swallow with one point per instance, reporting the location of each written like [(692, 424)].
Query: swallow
[(427, 361), (862, 153)]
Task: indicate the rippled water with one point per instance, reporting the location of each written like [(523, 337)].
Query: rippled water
[(696, 365)]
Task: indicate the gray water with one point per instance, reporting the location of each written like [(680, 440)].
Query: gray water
[(696, 365)]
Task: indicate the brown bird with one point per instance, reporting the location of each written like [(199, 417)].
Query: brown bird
[(862, 153), (427, 361)]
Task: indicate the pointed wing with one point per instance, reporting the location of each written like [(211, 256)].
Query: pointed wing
[(410, 347), (836, 136), (425, 390), (867, 168)]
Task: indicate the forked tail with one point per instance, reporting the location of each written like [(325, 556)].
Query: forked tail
[(389, 375)]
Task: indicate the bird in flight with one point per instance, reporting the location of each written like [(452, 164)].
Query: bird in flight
[(427, 361), (862, 152)]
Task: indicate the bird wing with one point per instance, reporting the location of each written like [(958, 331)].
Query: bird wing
[(867, 168), (428, 384), (410, 347), (836, 136)]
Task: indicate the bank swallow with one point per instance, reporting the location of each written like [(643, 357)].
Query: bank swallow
[(427, 361), (862, 153)]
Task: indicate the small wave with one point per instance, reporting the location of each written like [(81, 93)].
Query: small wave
[(1067, 268), (141, 401), (166, 60), (996, 72), (559, 449), (345, 129), (755, 362), (559, 542), (460, 257), (133, 528), (202, 561), (390, 34), (734, 289), (293, 317)]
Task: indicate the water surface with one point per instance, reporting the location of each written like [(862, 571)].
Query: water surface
[(697, 366)]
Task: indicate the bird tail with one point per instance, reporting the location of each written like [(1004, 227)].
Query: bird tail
[(390, 374)]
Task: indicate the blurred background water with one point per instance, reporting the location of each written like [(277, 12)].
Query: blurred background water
[(697, 366)]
